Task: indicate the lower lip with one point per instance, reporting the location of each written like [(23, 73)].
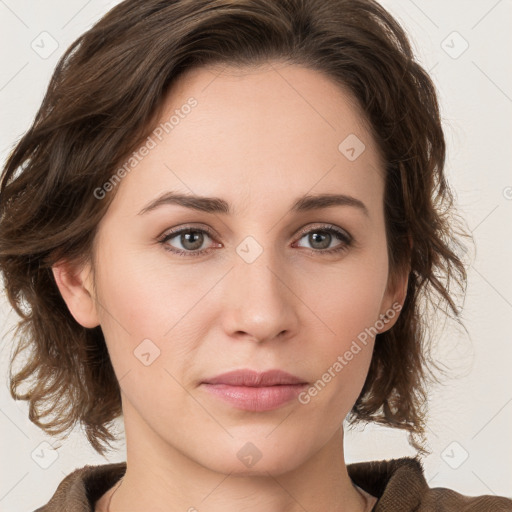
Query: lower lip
[(256, 399)]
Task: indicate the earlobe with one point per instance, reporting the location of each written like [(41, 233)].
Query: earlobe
[(75, 287), (397, 292)]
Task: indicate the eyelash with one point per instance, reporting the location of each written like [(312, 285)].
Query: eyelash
[(328, 228)]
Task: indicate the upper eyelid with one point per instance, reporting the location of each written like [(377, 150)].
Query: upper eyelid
[(324, 227), (300, 233)]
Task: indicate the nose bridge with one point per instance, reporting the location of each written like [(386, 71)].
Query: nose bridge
[(258, 301)]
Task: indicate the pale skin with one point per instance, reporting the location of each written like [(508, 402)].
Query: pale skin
[(259, 144)]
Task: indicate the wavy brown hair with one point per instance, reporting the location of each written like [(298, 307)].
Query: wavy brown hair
[(103, 100)]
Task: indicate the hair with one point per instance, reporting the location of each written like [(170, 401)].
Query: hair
[(103, 100)]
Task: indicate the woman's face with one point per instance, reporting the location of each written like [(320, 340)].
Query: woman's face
[(254, 287)]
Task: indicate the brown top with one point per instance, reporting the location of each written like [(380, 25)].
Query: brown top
[(399, 485)]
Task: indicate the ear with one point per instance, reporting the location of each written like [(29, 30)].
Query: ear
[(76, 287), (393, 300), (395, 294)]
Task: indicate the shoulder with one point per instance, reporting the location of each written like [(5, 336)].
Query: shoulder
[(399, 484), (80, 490), (441, 499)]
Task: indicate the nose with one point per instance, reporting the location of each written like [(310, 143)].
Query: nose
[(258, 302)]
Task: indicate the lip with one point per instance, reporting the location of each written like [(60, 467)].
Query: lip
[(253, 378), (250, 390)]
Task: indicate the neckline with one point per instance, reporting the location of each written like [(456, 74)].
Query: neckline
[(370, 499)]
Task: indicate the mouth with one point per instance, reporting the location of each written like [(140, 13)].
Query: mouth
[(250, 390)]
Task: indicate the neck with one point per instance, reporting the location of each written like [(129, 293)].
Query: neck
[(161, 478)]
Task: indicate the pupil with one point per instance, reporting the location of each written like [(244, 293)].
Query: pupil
[(317, 237), (189, 238)]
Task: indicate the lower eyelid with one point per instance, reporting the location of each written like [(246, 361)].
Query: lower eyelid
[(169, 236), (345, 239)]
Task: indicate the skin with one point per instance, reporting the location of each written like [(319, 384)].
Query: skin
[(259, 138)]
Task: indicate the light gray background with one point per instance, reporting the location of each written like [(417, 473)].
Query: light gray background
[(470, 432)]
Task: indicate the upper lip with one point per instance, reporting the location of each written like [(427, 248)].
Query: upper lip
[(254, 378)]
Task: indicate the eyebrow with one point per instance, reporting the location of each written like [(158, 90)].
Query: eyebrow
[(218, 205)]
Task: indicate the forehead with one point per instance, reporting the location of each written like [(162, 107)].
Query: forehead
[(256, 132), (291, 100)]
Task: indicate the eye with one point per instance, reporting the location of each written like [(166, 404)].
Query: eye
[(320, 239), (190, 240)]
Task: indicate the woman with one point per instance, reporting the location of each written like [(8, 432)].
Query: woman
[(222, 225)]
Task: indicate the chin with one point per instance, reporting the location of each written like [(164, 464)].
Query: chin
[(253, 455)]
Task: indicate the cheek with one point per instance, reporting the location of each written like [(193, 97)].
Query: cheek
[(154, 312), (144, 310), (143, 297), (348, 300), (347, 296)]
